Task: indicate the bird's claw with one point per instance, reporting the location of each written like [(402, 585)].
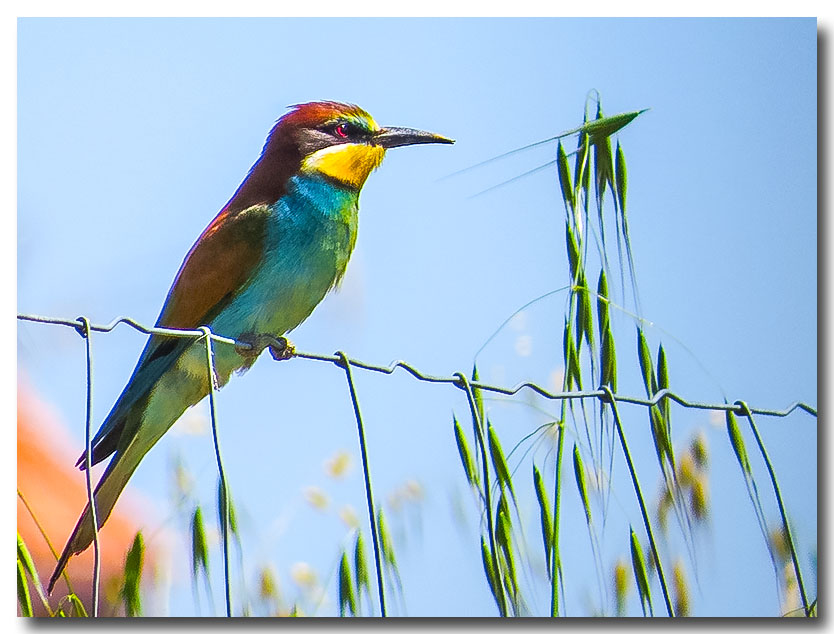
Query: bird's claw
[(281, 349), (253, 345)]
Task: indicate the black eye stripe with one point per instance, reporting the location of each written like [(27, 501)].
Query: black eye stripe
[(343, 129)]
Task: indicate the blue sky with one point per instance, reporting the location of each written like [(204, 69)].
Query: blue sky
[(133, 133)]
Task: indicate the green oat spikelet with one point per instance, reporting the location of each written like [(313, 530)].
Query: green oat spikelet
[(199, 549), (546, 517), (465, 455), (641, 575), (347, 597), (133, 576)]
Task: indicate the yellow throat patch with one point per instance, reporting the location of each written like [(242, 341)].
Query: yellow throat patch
[(349, 163)]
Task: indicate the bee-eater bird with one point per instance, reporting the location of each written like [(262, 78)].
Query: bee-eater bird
[(280, 244)]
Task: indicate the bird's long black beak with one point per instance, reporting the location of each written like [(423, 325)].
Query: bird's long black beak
[(397, 137)]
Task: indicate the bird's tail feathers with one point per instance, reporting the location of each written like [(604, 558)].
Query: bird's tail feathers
[(109, 487)]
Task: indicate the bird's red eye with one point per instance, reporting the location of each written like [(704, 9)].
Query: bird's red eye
[(342, 130)]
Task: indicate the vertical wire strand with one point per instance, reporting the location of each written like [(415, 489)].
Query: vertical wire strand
[(84, 328), (609, 398), (91, 500), (473, 408), (225, 510), (745, 410), (345, 362)]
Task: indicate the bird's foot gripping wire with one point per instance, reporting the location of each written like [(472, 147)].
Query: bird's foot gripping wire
[(252, 345)]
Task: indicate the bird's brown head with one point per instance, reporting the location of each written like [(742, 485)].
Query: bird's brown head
[(338, 141)]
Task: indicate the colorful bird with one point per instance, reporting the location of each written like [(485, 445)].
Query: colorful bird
[(256, 272)]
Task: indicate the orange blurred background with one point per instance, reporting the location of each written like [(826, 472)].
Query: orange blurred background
[(56, 494)]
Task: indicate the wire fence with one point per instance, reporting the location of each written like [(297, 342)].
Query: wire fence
[(281, 350), (340, 359)]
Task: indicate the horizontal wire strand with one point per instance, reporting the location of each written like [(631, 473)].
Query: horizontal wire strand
[(455, 380)]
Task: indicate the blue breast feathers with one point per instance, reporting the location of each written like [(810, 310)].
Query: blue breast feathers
[(310, 237)]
